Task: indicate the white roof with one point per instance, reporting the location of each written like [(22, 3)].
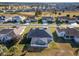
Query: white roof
[(73, 25)]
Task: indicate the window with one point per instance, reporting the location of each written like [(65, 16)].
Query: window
[(71, 37), (3, 39), (67, 36)]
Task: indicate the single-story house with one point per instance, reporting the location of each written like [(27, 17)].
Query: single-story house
[(47, 20), (66, 19), (32, 18), (7, 35), (8, 19), (2, 18), (62, 18), (16, 19), (27, 21), (29, 10), (60, 32), (71, 20), (77, 18), (39, 37), (68, 33)]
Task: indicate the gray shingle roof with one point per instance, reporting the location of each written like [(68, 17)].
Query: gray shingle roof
[(38, 33), (8, 32), (72, 32), (63, 17), (5, 31), (69, 31), (77, 17), (47, 18)]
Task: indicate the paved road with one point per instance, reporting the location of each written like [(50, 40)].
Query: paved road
[(40, 25)]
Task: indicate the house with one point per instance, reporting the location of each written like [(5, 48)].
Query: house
[(66, 19), (32, 18), (2, 19), (62, 18), (47, 20), (29, 10), (71, 20), (16, 19), (8, 19), (39, 37), (27, 21), (7, 35), (60, 32), (68, 33), (77, 18)]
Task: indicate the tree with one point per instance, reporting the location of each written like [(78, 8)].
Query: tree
[(74, 15), (37, 13), (40, 21), (59, 13), (55, 12), (21, 22), (68, 15)]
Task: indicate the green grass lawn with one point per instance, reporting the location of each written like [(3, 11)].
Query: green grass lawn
[(26, 30), (52, 29), (53, 45)]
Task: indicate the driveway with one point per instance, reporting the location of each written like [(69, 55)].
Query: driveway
[(19, 30)]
